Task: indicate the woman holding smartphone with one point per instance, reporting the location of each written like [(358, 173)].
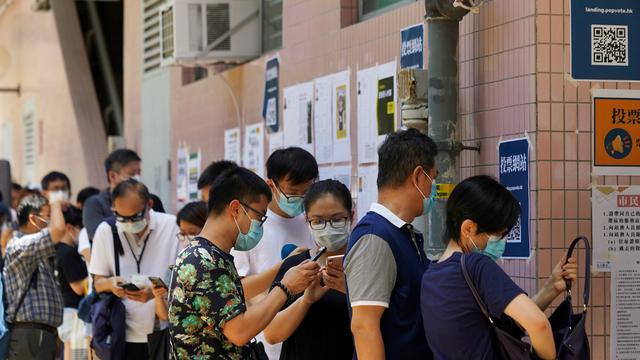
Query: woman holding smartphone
[(320, 315)]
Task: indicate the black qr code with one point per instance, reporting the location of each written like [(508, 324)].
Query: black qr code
[(515, 234), (610, 45)]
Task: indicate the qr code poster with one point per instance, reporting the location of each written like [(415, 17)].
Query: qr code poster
[(610, 45), (605, 40)]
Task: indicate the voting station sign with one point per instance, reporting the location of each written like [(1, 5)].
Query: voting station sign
[(616, 134), (605, 40)]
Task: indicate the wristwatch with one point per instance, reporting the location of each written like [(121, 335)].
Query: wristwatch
[(284, 288)]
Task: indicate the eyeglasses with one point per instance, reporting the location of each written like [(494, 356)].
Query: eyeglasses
[(320, 224), (185, 237), (263, 216), (290, 198), (133, 218)]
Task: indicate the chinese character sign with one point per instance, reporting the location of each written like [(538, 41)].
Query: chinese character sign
[(616, 135), (514, 175), (604, 40), (616, 224), (412, 47), (271, 91)]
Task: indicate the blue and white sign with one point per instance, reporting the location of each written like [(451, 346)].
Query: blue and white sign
[(412, 47), (605, 40), (514, 175)]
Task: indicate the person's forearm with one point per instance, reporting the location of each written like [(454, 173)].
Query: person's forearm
[(255, 319), (369, 344), (161, 309), (57, 228), (256, 284), (103, 284), (545, 296), (286, 322), (542, 341)]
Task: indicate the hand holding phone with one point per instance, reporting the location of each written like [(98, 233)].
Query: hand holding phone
[(157, 282), (130, 287), (335, 262), (319, 253)]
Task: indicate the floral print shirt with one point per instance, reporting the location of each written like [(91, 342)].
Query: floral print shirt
[(206, 293)]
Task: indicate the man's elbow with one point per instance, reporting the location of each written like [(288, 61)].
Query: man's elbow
[(540, 324), (271, 337), (239, 340), (361, 326)]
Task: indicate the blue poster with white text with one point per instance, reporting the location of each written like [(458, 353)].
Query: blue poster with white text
[(514, 175), (412, 47)]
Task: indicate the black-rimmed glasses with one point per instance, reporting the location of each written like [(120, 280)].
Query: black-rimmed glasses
[(133, 218), (263, 216), (290, 198), (336, 223)]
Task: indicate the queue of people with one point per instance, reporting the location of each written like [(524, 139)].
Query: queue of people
[(274, 268)]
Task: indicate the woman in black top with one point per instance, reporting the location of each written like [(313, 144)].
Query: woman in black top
[(316, 324)]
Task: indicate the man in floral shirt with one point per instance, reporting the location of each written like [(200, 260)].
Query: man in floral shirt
[(209, 318)]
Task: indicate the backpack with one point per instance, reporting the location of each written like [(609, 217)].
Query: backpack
[(108, 314)]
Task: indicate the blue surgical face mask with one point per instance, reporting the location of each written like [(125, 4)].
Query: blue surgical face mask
[(246, 242), (291, 206), (494, 249), (428, 203)]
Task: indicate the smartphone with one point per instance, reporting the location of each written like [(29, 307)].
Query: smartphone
[(319, 253), (129, 287), (157, 282), (335, 261)]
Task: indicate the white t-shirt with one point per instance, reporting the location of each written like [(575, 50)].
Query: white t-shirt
[(160, 252), (83, 241), (278, 231)]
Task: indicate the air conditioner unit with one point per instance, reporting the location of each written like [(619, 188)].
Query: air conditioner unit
[(210, 31)]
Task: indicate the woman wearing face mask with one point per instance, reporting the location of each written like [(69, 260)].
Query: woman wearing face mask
[(316, 324), (480, 212)]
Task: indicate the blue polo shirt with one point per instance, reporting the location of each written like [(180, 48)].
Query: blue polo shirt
[(384, 264)]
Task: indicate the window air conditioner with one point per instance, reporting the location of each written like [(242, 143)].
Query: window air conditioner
[(210, 31)]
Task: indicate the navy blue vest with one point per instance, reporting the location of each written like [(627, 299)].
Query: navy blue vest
[(401, 324)]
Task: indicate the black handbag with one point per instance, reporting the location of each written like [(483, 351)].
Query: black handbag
[(510, 347), (159, 345), (569, 331), (256, 351)]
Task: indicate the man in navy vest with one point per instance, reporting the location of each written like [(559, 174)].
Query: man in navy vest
[(385, 258)]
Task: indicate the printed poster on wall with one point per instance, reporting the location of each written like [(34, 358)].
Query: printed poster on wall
[(182, 179), (341, 117), (195, 159), (514, 175), (412, 47), (271, 93), (367, 189), (298, 116), (616, 135), (625, 308), (615, 224), (254, 148), (232, 145), (322, 111)]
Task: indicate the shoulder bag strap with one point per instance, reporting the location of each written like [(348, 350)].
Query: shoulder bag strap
[(476, 296), (117, 247), (587, 268), (24, 293)]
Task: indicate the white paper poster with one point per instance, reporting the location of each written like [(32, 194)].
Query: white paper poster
[(341, 117), (325, 173), (340, 173), (367, 189), (254, 148), (276, 141), (298, 116), (182, 179), (232, 145), (195, 159), (322, 120), (367, 136), (625, 308)]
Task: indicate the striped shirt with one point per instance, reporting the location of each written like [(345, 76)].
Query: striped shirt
[(43, 303)]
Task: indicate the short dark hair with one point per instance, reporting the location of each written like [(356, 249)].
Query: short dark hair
[(128, 186), (194, 213), (484, 201), (399, 155), (30, 204), (73, 216), (86, 193), (236, 184), (54, 176), (120, 158), (294, 164), (16, 186), (211, 173), (329, 187)]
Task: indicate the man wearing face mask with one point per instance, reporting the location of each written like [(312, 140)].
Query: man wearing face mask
[(120, 165), (147, 247), (385, 258), (209, 316), (290, 173), (56, 182), (35, 304)]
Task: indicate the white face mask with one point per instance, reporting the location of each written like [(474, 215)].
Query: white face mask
[(134, 227), (136, 178), (331, 238), (59, 195)]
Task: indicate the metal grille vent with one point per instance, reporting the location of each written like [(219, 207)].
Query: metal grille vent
[(218, 23)]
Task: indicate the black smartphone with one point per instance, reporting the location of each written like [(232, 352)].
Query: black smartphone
[(129, 287), (319, 253), (157, 282)]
